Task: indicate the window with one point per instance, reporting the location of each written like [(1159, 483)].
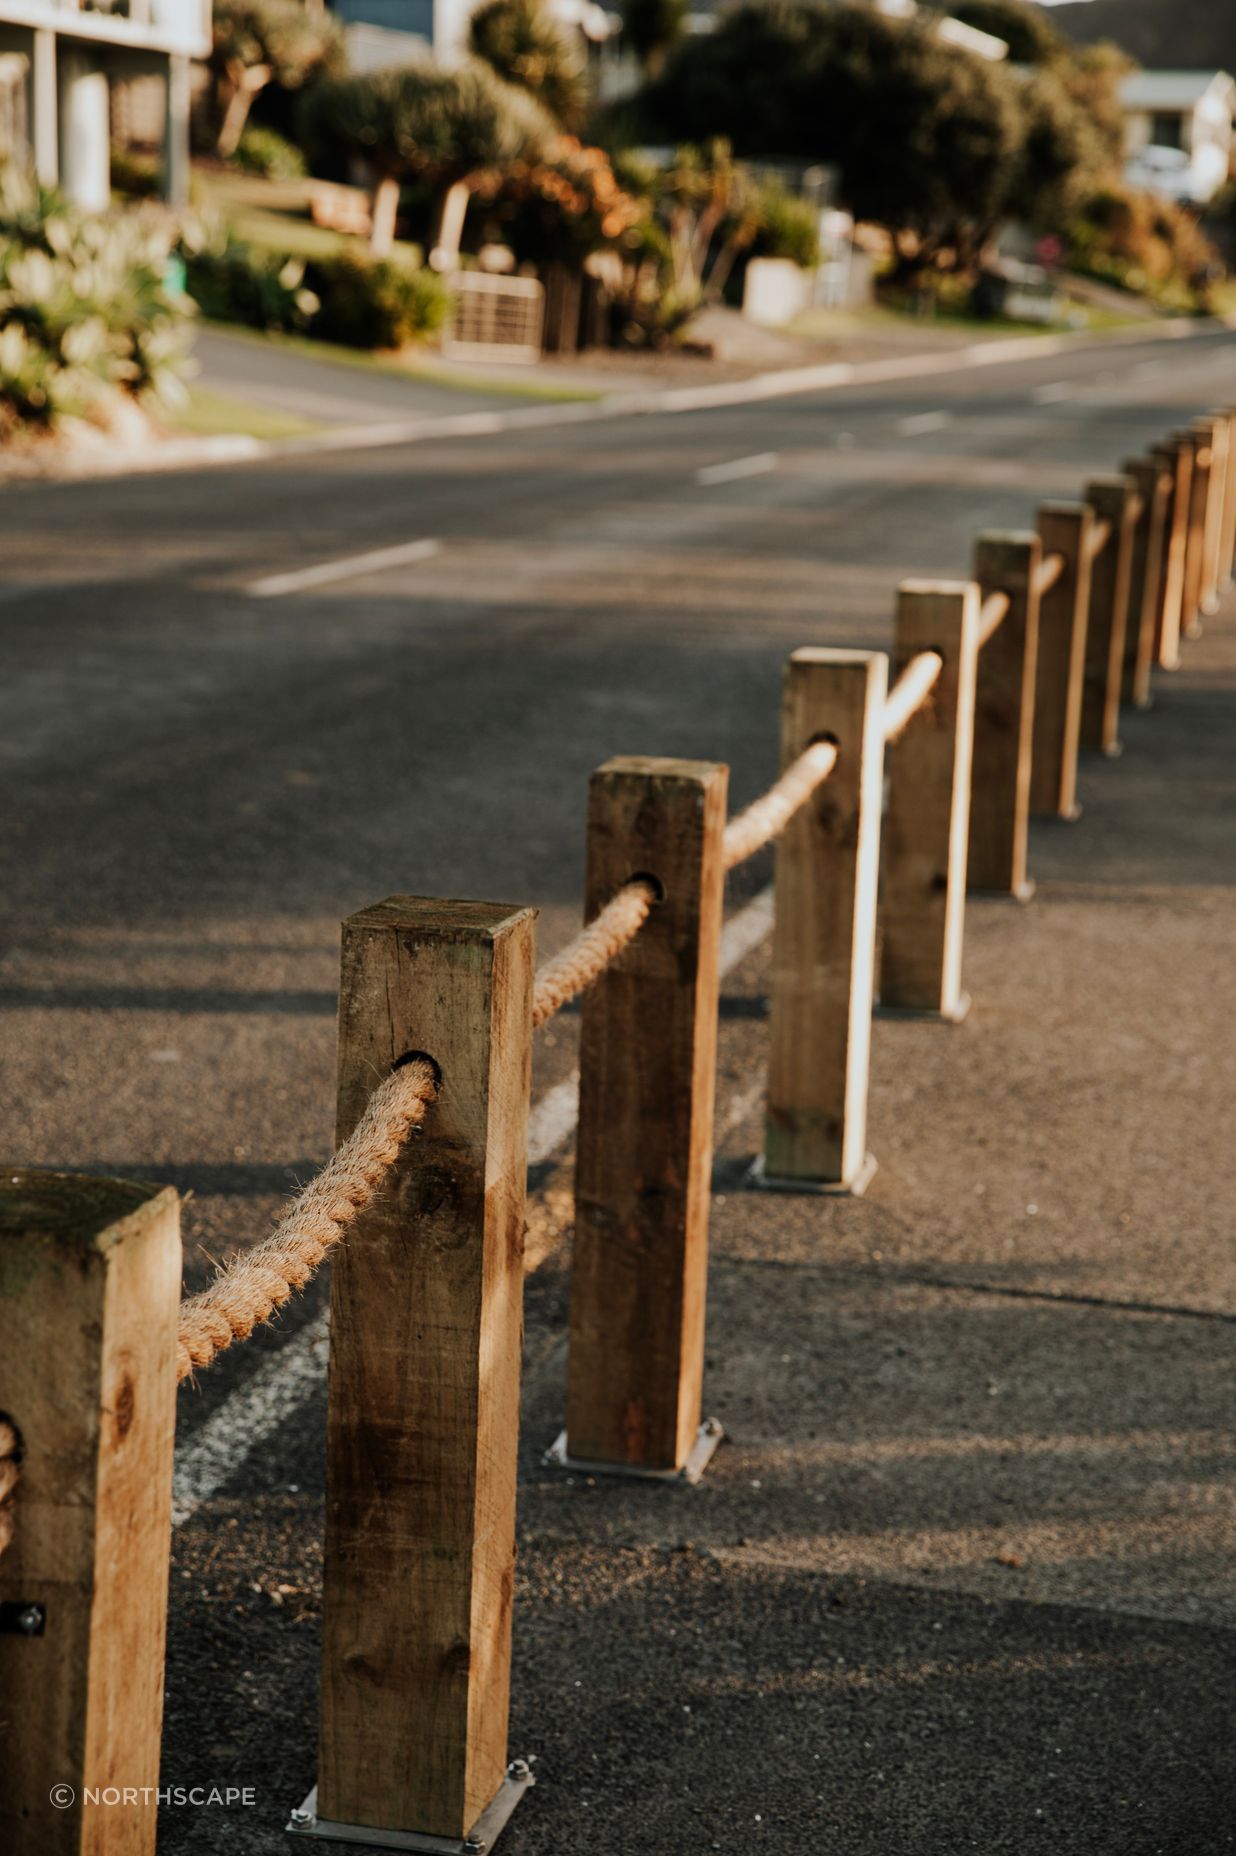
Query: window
[(1167, 129)]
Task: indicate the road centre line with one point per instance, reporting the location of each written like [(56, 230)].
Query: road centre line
[(1051, 391), (758, 465), (351, 567), (290, 1378), (921, 422)]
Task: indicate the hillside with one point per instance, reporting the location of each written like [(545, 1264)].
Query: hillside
[(1172, 35)]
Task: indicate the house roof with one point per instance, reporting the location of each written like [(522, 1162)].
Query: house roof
[(1173, 90)]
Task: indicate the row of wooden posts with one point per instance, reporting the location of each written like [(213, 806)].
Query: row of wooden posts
[(1057, 629)]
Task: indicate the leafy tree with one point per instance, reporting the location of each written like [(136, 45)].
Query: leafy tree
[(527, 47), (652, 28), (1062, 156), (261, 42), (430, 123), (1025, 29)]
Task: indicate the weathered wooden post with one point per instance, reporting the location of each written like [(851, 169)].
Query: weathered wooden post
[(89, 1295), (423, 1416), (823, 958), (1113, 500), (1065, 530), (1215, 429), (926, 829), (1227, 543), (1153, 484), (1004, 717), (1198, 441), (1177, 456), (648, 1041)]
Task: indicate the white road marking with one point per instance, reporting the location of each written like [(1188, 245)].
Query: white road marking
[(920, 422), (246, 1418), (1051, 391), (757, 466), (351, 567), (250, 1414)]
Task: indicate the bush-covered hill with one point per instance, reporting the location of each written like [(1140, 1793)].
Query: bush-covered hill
[(1169, 35)]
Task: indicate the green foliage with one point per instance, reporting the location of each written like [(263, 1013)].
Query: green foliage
[(260, 42), (561, 209), (427, 121), (789, 227), (85, 314), (925, 136), (1025, 29), (522, 42), (1062, 156), (364, 304), (264, 151), (1142, 243), (346, 298), (652, 28), (292, 42)]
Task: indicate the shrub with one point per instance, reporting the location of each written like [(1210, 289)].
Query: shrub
[(523, 42), (232, 282), (1143, 243), (789, 227), (347, 298), (85, 313), (364, 304), (255, 43), (266, 152)]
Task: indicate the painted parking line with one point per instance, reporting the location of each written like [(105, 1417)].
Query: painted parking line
[(756, 466), (921, 422), (350, 567), (209, 1459)]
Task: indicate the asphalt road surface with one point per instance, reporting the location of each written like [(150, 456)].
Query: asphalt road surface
[(223, 729)]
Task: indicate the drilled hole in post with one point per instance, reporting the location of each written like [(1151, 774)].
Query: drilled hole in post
[(825, 735), (654, 883), (419, 1056)]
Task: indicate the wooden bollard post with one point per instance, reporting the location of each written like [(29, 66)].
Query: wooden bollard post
[(89, 1297), (423, 1415), (1004, 717), (1216, 429), (824, 926), (648, 1041), (1153, 484), (926, 830), (1177, 456), (1065, 529), (1227, 544), (1198, 440), (1112, 499)]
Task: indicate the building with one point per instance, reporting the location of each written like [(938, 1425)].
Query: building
[(72, 54), (1188, 113)]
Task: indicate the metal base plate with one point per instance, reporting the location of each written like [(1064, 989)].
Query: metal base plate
[(707, 1438), (305, 1822), (823, 1188), (959, 1012)]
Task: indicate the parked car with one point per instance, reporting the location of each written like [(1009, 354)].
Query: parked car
[(1167, 172)]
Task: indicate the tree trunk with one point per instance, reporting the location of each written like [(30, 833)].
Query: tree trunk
[(385, 210), (454, 210), (245, 82)]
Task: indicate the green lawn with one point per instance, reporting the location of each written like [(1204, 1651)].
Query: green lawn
[(273, 215), (209, 414)]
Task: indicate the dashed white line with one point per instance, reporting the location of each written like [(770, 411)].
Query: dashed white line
[(757, 466), (921, 422), (277, 1391), (351, 567), (1051, 391)]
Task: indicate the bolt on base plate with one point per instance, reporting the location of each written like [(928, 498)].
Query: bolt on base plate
[(707, 1438), (826, 1188), (305, 1822)]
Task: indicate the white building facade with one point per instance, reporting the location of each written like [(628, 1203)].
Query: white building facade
[(72, 53)]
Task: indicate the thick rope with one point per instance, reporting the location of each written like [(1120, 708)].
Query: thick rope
[(585, 958), (769, 815), (911, 691), (10, 1470), (1050, 569), (994, 612), (250, 1288)]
